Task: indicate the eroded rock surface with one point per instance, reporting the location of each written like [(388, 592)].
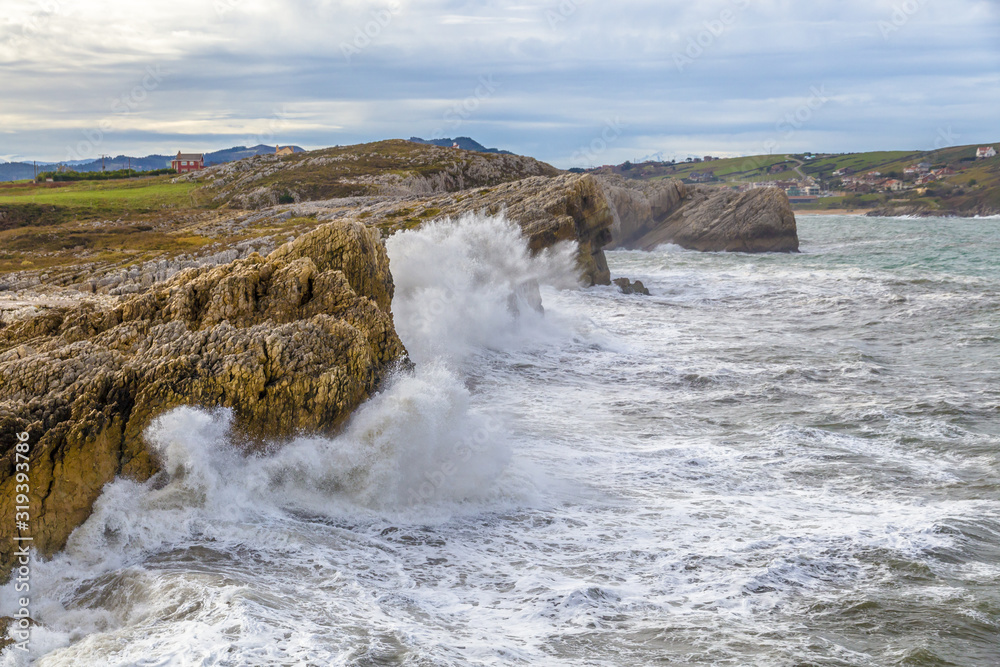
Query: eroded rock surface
[(626, 286), (649, 214), (294, 341), (549, 210)]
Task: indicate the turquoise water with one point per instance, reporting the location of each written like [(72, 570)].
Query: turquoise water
[(774, 460), (872, 358)]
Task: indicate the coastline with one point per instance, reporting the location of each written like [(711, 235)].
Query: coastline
[(832, 211)]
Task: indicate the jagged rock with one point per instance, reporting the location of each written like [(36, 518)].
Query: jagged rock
[(626, 286), (295, 341), (386, 168), (649, 214), (549, 210), (967, 210)]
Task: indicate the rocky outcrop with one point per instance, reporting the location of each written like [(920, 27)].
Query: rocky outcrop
[(922, 211), (570, 208), (626, 286), (385, 168), (552, 210), (294, 341), (637, 206), (649, 214)]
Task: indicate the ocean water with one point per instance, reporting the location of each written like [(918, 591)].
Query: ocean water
[(773, 460)]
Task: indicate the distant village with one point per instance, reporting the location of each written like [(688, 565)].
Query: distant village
[(844, 181)]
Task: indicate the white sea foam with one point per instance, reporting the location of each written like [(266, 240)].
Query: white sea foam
[(758, 465), (462, 286), (469, 284)]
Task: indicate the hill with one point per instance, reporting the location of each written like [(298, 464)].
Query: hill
[(17, 171), (393, 168), (465, 143), (114, 225), (950, 182)]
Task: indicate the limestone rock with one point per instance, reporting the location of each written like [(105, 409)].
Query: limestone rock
[(548, 209), (626, 286), (294, 341), (649, 214)]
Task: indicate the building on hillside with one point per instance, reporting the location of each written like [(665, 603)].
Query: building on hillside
[(803, 189), (287, 150), (893, 185), (186, 162), (986, 152)]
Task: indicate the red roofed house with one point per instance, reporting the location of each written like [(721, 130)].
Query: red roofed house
[(185, 162), (986, 151)]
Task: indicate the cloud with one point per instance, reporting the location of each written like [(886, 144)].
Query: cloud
[(682, 78)]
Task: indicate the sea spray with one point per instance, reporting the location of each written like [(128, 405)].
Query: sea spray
[(462, 286)]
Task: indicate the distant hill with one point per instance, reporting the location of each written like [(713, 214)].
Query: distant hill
[(394, 167), (16, 171), (465, 143), (240, 152), (963, 184)]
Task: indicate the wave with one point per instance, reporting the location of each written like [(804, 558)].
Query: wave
[(471, 284), (462, 287)]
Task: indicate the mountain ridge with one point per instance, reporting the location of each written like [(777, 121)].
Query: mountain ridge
[(16, 171)]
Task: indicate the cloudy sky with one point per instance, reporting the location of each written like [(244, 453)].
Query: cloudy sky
[(573, 82)]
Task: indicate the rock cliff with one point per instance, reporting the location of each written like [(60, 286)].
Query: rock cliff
[(294, 341), (549, 210), (651, 213)]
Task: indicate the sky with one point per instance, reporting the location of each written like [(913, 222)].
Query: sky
[(571, 82)]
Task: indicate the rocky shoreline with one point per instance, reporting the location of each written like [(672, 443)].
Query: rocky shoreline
[(292, 340), (922, 212)]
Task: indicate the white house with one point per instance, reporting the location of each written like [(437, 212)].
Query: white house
[(985, 152)]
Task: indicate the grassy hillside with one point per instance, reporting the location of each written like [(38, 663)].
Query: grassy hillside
[(974, 188), (126, 222), (118, 197)]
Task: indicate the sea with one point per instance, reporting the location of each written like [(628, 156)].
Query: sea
[(772, 460)]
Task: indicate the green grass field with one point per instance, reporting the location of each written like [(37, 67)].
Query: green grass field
[(110, 197)]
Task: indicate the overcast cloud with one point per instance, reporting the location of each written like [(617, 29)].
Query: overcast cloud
[(575, 83)]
